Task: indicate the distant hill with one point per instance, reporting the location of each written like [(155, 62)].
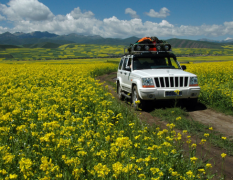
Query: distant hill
[(37, 37), (30, 38), (35, 34), (50, 40), (81, 39), (44, 45), (185, 43), (8, 46), (227, 40), (9, 39), (78, 38)]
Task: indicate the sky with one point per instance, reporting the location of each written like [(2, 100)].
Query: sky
[(184, 19)]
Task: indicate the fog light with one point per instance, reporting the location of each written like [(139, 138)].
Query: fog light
[(166, 48), (147, 48), (138, 48), (150, 96)]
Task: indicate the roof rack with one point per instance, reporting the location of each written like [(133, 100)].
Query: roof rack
[(138, 48)]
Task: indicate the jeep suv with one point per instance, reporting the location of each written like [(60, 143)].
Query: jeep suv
[(155, 75)]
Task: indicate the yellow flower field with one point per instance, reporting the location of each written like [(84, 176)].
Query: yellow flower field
[(58, 122), (216, 81)]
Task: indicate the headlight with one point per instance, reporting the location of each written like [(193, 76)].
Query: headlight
[(193, 81), (138, 48), (147, 48), (166, 48), (158, 48), (147, 83)]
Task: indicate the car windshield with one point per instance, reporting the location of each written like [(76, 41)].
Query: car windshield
[(155, 63)]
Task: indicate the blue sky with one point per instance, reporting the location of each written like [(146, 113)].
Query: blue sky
[(189, 19)]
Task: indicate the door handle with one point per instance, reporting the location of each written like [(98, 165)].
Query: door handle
[(125, 73)]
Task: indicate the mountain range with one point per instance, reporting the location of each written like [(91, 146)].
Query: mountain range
[(35, 39), (227, 40)]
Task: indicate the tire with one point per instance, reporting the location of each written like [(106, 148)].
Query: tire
[(135, 97), (119, 90)]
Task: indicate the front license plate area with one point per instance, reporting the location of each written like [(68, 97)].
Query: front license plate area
[(172, 93)]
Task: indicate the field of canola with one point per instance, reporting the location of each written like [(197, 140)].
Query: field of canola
[(216, 81), (67, 51), (58, 122), (71, 51)]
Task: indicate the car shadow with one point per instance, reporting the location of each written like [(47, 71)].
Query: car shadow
[(199, 107), (164, 104)]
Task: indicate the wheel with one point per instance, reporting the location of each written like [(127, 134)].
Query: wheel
[(137, 102), (119, 95)]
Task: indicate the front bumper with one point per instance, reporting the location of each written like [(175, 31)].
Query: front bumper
[(168, 93)]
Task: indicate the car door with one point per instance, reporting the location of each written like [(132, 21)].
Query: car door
[(120, 71), (128, 82), (125, 77)]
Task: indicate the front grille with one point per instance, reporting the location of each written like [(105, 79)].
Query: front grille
[(170, 82)]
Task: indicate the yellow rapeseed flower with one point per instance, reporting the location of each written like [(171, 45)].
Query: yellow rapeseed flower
[(223, 155), (208, 165)]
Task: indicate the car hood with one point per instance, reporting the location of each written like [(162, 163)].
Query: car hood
[(161, 72)]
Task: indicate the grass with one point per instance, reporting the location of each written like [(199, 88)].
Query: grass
[(110, 82)]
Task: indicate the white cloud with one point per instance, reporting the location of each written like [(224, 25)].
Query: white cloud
[(85, 22), (228, 27), (2, 18), (76, 14), (115, 28), (3, 29), (131, 12), (26, 10), (60, 25), (164, 12), (228, 38)]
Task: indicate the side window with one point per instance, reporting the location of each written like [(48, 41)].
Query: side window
[(129, 62), (124, 64), (121, 62)]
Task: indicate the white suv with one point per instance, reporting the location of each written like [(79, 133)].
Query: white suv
[(147, 76)]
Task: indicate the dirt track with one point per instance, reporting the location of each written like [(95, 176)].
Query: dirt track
[(220, 122)]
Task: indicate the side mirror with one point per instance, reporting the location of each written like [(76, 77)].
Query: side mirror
[(127, 68), (183, 67)]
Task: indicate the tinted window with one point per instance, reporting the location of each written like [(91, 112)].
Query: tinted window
[(124, 65), (155, 63), (120, 64), (129, 62)]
